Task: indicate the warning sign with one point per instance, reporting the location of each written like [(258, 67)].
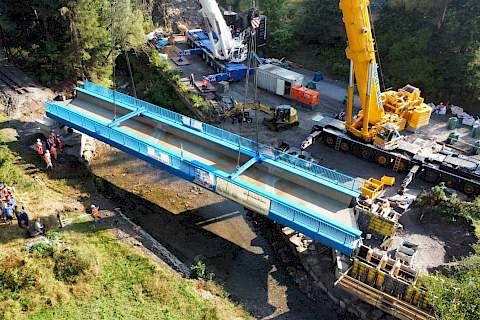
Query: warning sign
[(203, 178), (247, 198), (163, 157)]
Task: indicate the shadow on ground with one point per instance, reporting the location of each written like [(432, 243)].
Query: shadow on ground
[(252, 276)]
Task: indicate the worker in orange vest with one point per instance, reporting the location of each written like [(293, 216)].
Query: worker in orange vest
[(39, 147), (94, 212), (48, 160), (205, 83), (53, 151)]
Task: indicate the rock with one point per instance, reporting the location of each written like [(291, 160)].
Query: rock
[(205, 294)]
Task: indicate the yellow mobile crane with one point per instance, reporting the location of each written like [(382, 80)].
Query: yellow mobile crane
[(373, 134), (381, 114)]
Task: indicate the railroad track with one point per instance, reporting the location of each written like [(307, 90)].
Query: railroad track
[(11, 83)]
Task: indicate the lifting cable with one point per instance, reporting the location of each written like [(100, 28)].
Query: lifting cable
[(112, 14), (251, 58)]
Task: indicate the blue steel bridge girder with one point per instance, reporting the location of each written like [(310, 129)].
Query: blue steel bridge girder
[(329, 232), (129, 115), (244, 167)]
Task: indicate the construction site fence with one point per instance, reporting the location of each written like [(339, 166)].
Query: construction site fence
[(343, 237), (241, 142)]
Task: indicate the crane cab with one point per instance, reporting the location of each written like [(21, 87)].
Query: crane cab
[(387, 137)]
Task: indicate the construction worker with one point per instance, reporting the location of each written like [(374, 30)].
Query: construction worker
[(94, 212), (50, 141), (191, 78), (48, 160), (204, 83), (386, 209), (59, 142), (7, 214), (53, 151), (23, 219), (39, 147)]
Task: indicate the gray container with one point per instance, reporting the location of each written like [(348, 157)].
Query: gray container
[(277, 80)]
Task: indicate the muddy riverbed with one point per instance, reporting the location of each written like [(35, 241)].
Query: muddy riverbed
[(196, 223)]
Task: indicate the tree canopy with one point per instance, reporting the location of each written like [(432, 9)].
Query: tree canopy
[(432, 44), (65, 40)]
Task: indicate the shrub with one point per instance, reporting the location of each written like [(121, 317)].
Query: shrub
[(198, 270), (53, 235), (42, 249), (16, 275), (69, 265), (436, 201)]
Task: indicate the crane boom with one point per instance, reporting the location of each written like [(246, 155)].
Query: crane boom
[(224, 46), (381, 113)]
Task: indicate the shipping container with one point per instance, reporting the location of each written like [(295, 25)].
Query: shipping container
[(277, 80), (305, 95)]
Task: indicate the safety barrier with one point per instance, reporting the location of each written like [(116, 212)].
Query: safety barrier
[(339, 237), (313, 224), (241, 142)]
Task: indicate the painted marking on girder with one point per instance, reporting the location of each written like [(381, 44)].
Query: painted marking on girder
[(245, 197), (162, 157)]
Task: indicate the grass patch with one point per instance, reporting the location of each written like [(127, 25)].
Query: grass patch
[(116, 282), (90, 275), (102, 278), (10, 174)]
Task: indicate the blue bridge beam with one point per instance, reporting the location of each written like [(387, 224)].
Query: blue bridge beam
[(244, 167), (129, 115)]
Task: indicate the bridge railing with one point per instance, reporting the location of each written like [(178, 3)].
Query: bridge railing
[(338, 235), (241, 142), (312, 223)]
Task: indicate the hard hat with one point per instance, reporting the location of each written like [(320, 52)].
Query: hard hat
[(47, 152), (38, 140), (92, 206)]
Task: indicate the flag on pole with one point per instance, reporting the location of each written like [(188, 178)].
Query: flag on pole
[(255, 22)]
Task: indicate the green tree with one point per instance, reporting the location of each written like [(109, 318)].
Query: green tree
[(456, 296), (434, 45), (281, 35), (66, 40)]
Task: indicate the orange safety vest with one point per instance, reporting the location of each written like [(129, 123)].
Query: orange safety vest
[(39, 148), (95, 213)]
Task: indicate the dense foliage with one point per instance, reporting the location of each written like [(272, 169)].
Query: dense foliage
[(457, 296), (436, 201), (455, 293), (66, 40), (432, 44)]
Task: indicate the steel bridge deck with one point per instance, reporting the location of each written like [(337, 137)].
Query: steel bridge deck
[(306, 197)]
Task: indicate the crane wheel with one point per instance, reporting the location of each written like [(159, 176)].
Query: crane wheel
[(450, 183), (382, 160), (468, 189), (345, 147), (356, 150), (431, 176), (366, 154), (329, 140)]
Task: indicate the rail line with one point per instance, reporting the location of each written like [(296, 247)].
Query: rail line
[(12, 84)]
